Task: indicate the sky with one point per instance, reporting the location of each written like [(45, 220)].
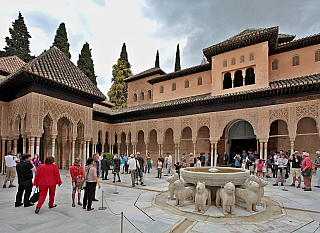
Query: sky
[(150, 25)]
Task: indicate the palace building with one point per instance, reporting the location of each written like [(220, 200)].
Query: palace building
[(257, 90)]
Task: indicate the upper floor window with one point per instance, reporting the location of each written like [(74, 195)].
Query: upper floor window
[(233, 61), (174, 86), (296, 60), (225, 63), (238, 79), (134, 97), (317, 55), (250, 76), (251, 57), (274, 65), (199, 81), (242, 59), (141, 96), (149, 94), (161, 89), (186, 84), (227, 81)]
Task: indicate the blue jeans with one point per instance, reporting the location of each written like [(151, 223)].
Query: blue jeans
[(104, 174), (318, 175), (148, 166)]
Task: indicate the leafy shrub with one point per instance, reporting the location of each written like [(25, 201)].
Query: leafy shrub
[(109, 157)]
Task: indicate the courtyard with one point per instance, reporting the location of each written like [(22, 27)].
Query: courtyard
[(146, 209)]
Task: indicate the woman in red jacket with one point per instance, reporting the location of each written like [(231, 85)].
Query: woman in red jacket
[(47, 177), (76, 172)]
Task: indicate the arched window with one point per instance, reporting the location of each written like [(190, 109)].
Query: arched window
[(233, 61), (161, 89), (238, 79), (251, 57), (174, 86), (225, 63), (317, 55), (141, 96), (186, 83), (296, 60), (250, 76), (134, 97), (274, 65), (199, 81), (227, 82), (242, 59), (149, 94)]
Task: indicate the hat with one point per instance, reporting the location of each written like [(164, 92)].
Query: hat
[(191, 154), (260, 159), (305, 153), (131, 155), (318, 152), (167, 153)]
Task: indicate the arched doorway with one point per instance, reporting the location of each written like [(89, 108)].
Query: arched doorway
[(168, 146), (141, 146), (186, 144), (123, 146), (153, 147), (278, 137), (64, 127), (203, 141)]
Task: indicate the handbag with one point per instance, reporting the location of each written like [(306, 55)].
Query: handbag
[(83, 182), (35, 196), (306, 173)]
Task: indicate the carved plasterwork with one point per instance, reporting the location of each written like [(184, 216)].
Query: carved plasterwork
[(307, 110), (279, 114)]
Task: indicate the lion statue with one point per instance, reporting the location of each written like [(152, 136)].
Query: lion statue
[(203, 197), (226, 195), (262, 183), (171, 180), (181, 192), (249, 195)]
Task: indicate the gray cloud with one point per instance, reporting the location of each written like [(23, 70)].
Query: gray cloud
[(205, 23), (41, 20)]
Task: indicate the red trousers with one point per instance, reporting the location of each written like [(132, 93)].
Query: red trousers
[(43, 190)]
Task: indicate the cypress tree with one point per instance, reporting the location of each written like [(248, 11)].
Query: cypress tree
[(85, 63), (157, 63), (19, 42), (119, 89), (61, 40), (177, 65)]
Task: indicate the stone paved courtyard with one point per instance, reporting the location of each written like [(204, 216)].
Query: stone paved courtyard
[(148, 210)]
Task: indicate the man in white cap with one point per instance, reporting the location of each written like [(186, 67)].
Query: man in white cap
[(317, 165), (133, 165), (306, 171)]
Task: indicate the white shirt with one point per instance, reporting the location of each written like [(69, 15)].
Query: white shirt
[(100, 158), (199, 163), (275, 159), (133, 164), (10, 160), (170, 159)]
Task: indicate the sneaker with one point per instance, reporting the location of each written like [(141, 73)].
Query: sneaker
[(304, 188), (275, 185), (282, 185), (95, 199), (157, 177), (137, 183), (133, 185), (307, 190), (119, 181), (50, 207), (4, 186), (298, 186), (29, 204), (18, 204), (12, 186), (90, 209), (37, 210), (316, 186), (292, 184), (113, 182)]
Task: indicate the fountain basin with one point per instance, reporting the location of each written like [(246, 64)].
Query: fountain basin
[(216, 178)]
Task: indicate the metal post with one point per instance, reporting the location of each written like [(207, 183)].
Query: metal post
[(115, 189), (121, 227), (102, 207)]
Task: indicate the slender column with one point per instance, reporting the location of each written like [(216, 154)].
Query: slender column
[(212, 154), (292, 146), (159, 146), (15, 145), (194, 149), (127, 145), (215, 154), (146, 149), (176, 153), (31, 146), (84, 151), (161, 149), (3, 148), (9, 145), (119, 145), (24, 146), (265, 150), (261, 149), (53, 144), (38, 146), (102, 148), (88, 147), (63, 150), (111, 149), (73, 155)]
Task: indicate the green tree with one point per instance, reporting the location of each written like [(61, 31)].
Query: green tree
[(85, 63), (61, 40), (19, 42), (177, 65), (157, 62), (119, 89)]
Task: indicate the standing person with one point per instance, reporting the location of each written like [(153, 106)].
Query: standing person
[(282, 170), (244, 155), (317, 165), (116, 168), (209, 159), (76, 172), (296, 161), (202, 159), (191, 160), (244, 164), (275, 164), (237, 161), (47, 177), (269, 166), (10, 162), (178, 166), (105, 167), (198, 162), (160, 164), (126, 166), (225, 158), (251, 163), (184, 160), (96, 163), (90, 174), (35, 161), (24, 170), (260, 165), (133, 165), (148, 165), (122, 163), (306, 171), (140, 169), (169, 164), (264, 169)]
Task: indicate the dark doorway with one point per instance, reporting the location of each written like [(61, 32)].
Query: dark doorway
[(238, 145)]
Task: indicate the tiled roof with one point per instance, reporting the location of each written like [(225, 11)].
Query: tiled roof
[(106, 103), (144, 74), (298, 83), (10, 64), (282, 38), (180, 73), (244, 38), (57, 67)]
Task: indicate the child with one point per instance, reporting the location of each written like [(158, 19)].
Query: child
[(198, 162), (259, 168), (264, 169), (243, 165), (159, 168), (178, 166)]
